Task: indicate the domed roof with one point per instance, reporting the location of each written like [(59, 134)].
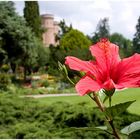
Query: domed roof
[(47, 16)]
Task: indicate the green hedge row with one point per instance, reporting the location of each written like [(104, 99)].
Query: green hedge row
[(25, 118)]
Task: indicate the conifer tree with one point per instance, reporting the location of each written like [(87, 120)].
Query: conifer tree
[(102, 30), (32, 16), (136, 39)]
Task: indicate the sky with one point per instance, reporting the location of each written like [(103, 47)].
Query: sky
[(84, 15)]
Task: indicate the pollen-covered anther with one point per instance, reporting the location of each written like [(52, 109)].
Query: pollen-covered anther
[(104, 44)]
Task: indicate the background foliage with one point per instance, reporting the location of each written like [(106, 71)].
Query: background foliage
[(26, 118), (22, 52), (32, 17)]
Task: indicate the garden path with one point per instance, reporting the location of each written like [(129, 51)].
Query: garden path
[(51, 95), (55, 95)]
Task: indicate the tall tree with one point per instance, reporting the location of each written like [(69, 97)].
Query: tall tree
[(102, 30), (124, 44), (63, 29), (32, 16), (72, 43), (136, 39), (17, 41), (74, 39)]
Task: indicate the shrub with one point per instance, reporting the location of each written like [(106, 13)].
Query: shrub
[(34, 84), (4, 81), (5, 68), (24, 118), (44, 83)]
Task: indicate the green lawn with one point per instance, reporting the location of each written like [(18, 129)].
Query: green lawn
[(118, 97)]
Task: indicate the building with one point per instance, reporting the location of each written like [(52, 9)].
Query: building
[(52, 29)]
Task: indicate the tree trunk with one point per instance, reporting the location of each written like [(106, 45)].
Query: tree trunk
[(25, 73)]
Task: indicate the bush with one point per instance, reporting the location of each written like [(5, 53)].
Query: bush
[(44, 83), (34, 84), (4, 81), (53, 70), (5, 68), (24, 118), (74, 39)]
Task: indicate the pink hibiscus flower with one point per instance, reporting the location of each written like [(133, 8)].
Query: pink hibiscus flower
[(108, 71)]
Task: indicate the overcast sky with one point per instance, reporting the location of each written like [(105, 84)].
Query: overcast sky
[(84, 15)]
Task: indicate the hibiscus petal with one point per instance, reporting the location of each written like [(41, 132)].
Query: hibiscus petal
[(129, 82), (129, 72), (109, 85), (107, 57), (80, 65), (130, 65), (106, 54), (87, 85)]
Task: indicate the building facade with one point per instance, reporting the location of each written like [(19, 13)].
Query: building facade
[(52, 29)]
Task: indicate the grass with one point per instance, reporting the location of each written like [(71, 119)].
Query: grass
[(118, 97), (129, 95)]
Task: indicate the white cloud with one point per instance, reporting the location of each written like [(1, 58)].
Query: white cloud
[(84, 26), (101, 4), (84, 15)]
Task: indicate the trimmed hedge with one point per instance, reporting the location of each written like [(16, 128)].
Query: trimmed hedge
[(24, 118)]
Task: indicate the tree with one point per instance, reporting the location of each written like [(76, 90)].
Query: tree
[(74, 39), (42, 57), (3, 56), (102, 30), (64, 29), (18, 41), (32, 16), (136, 39), (124, 44), (73, 43)]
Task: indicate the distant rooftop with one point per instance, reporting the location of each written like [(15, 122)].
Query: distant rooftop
[(47, 16)]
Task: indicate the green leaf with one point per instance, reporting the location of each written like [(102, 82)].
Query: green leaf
[(131, 128), (106, 97), (102, 96), (62, 68), (101, 127), (118, 109), (109, 92)]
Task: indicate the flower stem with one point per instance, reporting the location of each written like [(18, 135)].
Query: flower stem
[(111, 123), (114, 129), (98, 101), (108, 118), (109, 101), (70, 80)]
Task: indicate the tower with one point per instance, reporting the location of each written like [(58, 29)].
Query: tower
[(52, 29)]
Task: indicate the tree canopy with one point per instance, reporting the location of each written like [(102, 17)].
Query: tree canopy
[(136, 39), (18, 44), (124, 44), (73, 43), (63, 29), (102, 30), (32, 17), (74, 39)]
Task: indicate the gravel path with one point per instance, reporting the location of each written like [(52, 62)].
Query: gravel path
[(55, 95), (51, 95)]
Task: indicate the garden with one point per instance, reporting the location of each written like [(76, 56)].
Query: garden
[(108, 105), (61, 117)]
